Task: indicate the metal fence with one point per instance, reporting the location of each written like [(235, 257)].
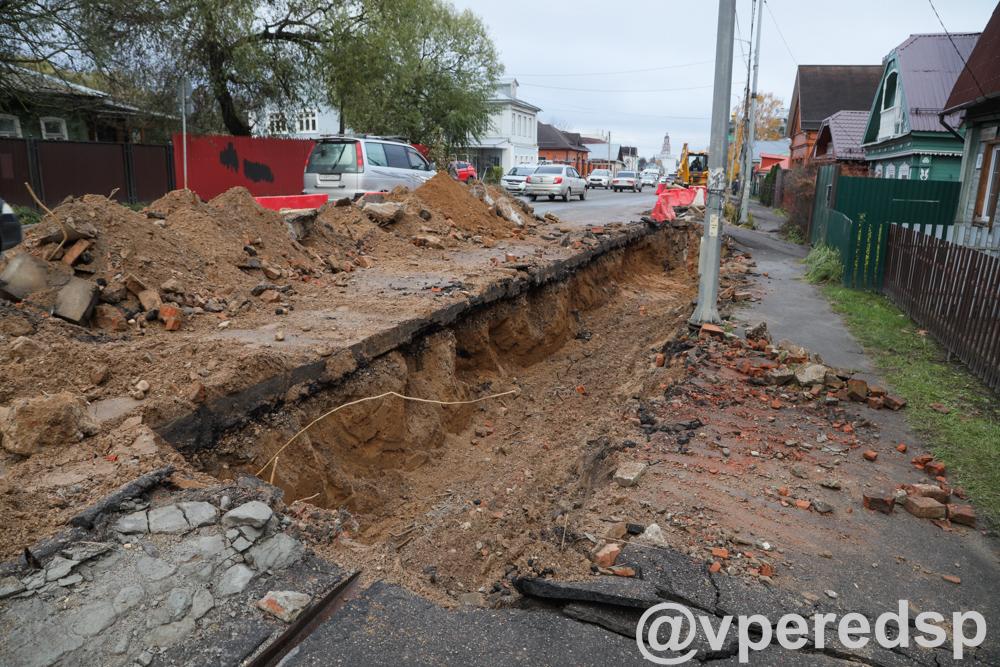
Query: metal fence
[(59, 169), (853, 214), (952, 291)]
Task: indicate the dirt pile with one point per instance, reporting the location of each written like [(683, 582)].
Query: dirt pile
[(458, 205)]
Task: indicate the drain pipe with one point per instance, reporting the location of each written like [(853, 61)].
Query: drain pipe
[(948, 127)]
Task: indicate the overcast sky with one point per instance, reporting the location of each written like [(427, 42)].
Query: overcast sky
[(550, 46)]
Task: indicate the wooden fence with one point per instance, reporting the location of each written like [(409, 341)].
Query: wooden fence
[(952, 291)]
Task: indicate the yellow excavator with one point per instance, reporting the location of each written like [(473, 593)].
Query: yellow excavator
[(693, 167)]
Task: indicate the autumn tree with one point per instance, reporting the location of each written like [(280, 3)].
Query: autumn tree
[(769, 117)]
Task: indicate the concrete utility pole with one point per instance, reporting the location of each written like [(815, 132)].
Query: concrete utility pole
[(752, 123), (711, 240)]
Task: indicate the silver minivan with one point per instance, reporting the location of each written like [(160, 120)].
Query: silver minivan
[(349, 167)]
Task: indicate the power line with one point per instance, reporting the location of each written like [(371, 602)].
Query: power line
[(780, 34), (623, 113), (627, 71), (965, 65), (605, 90)]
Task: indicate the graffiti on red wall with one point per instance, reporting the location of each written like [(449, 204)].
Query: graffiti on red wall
[(263, 165)]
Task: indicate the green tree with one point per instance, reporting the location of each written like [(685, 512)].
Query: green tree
[(416, 68), (243, 56)]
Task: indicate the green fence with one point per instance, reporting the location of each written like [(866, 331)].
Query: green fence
[(853, 214)]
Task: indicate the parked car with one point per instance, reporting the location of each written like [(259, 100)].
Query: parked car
[(462, 171), (626, 180), (349, 167), (649, 177), (599, 178), (10, 227), (513, 180), (555, 180)]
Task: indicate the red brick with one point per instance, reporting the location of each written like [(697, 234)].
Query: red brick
[(715, 567), (962, 514), (875, 390), (922, 460), (622, 571), (930, 491), (776, 404), (924, 508), (935, 469), (875, 403), (857, 390), (870, 455), (606, 555), (894, 402), (766, 570), (879, 501), (720, 552), (802, 504), (172, 317), (75, 251), (783, 491), (708, 329), (109, 318), (901, 448)]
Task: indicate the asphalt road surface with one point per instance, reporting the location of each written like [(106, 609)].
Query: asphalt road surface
[(600, 207)]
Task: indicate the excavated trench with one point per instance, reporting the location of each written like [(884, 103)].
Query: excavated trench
[(411, 477)]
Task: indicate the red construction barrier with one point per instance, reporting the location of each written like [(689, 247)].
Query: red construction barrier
[(263, 165), (669, 197), (292, 201)]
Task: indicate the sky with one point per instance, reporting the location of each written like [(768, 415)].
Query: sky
[(577, 59)]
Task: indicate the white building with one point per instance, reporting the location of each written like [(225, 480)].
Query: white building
[(512, 137), (306, 124)]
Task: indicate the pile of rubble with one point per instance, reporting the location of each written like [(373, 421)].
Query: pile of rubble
[(95, 262)]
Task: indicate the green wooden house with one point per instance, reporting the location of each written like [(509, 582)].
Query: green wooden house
[(905, 137)]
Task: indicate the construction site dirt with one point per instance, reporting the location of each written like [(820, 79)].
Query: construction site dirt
[(540, 415)]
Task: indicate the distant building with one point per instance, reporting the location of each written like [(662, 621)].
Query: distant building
[(309, 123), (666, 156), (554, 145), (512, 137)]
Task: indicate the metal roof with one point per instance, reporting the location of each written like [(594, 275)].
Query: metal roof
[(842, 134), (981, 78), (550, 137), (928, 67), (771, 147), (823, 90)]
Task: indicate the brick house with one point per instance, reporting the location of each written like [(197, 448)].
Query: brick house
[(555, 145), (821, 91)]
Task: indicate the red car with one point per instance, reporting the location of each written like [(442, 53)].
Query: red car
[(462, 171)]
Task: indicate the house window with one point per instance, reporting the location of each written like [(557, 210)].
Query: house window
[(889, 91), (989, 186), (54, 128), (904, 172), (276, 123), (307, 121), (890, 171), (878, 171), (10, 126)]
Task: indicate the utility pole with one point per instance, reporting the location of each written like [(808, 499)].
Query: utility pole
[(752, 123), (711, 241)]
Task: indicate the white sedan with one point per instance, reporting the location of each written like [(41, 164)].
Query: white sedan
[(626, 180), (555, 180)]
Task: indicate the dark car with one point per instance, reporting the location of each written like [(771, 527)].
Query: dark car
[(10, 228)]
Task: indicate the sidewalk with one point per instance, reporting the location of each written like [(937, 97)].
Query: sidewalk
[(793, 308)]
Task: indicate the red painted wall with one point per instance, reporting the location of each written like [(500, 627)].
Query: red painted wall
[(263, 165)]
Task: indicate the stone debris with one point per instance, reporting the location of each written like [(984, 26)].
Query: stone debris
[(924, 508), (629, 473), (254, 513), (285, 605), (234, 580), (29, 425), (606, 555)]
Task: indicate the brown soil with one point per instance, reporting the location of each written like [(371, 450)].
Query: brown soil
[(468, 492), (450, 200)]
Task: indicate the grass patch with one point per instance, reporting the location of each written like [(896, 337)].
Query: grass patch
[(916, 366), (824, 265), (27, 215)]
